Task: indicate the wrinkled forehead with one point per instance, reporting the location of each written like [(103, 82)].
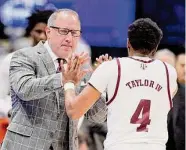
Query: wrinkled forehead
[(68, 20)]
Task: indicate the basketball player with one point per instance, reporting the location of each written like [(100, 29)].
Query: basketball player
[(140, 91)]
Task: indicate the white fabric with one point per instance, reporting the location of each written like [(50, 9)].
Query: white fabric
[(5, 99), (69, 85), (54, 58), (51, 53), (104, 73), (136, 146), (127, 100)]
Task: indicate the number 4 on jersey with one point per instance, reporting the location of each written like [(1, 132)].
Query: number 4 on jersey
[(144, 107)]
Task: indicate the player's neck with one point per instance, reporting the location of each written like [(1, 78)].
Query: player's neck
[(133, 52), (139, 55)]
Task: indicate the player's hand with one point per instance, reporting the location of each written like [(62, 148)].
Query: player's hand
[(73, 72), (102, 59), (83, 58)]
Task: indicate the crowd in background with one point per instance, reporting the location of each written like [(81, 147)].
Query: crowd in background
[(91, 135)]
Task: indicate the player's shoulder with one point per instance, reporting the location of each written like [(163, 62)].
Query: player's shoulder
[(110, 63), (119, 59), (170, 67), (114, 62), (124, 59)]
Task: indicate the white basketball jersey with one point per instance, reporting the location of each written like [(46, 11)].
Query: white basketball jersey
[(140, 92)]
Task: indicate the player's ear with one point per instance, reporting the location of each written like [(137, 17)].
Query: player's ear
[(128, 43), (153, 52), (129, 47)]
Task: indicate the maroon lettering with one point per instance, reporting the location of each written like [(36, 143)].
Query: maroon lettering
[(137, 82), (140, 83), (158, 87), (144, 108), (151, 84), (133, 84), (128, 84), (146, 82)]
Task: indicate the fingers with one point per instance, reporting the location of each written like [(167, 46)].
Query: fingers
[(110, 58), (106, 57), (99, 60), (78, 65), (103, 58), (69, 62), (84, 57), (74, 63), (72, 60), (73, 71)]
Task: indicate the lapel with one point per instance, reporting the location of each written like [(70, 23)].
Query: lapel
[(49, 65), (46, 58)]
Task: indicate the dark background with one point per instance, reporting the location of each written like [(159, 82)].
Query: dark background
[(104, 23)]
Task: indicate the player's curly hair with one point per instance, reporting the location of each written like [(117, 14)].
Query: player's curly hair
[(144, 35), (37, 17)]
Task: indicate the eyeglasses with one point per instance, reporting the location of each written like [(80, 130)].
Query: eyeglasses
[(65, 31)]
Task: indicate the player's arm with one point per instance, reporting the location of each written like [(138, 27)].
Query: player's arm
[(77, 106)]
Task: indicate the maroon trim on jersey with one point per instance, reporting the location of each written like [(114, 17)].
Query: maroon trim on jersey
[(149, 61), (168, 85), (117, 83)]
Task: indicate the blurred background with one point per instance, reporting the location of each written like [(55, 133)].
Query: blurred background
[(104, 26), (104, 23)]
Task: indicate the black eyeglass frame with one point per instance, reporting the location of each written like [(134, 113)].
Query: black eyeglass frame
[(71, 31)]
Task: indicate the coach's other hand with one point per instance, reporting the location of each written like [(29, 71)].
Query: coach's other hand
[(102, 59)]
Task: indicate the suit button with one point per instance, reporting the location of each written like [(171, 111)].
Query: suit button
[(46, 89), (57, 116)]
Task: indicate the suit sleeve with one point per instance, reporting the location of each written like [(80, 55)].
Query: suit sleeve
[(170, 145), (23, 78), (98, 112)]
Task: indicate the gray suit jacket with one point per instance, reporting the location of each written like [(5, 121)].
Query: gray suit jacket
[(39, 118)]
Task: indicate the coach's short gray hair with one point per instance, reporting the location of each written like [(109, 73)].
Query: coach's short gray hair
[(165, 52), (53, 17)]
